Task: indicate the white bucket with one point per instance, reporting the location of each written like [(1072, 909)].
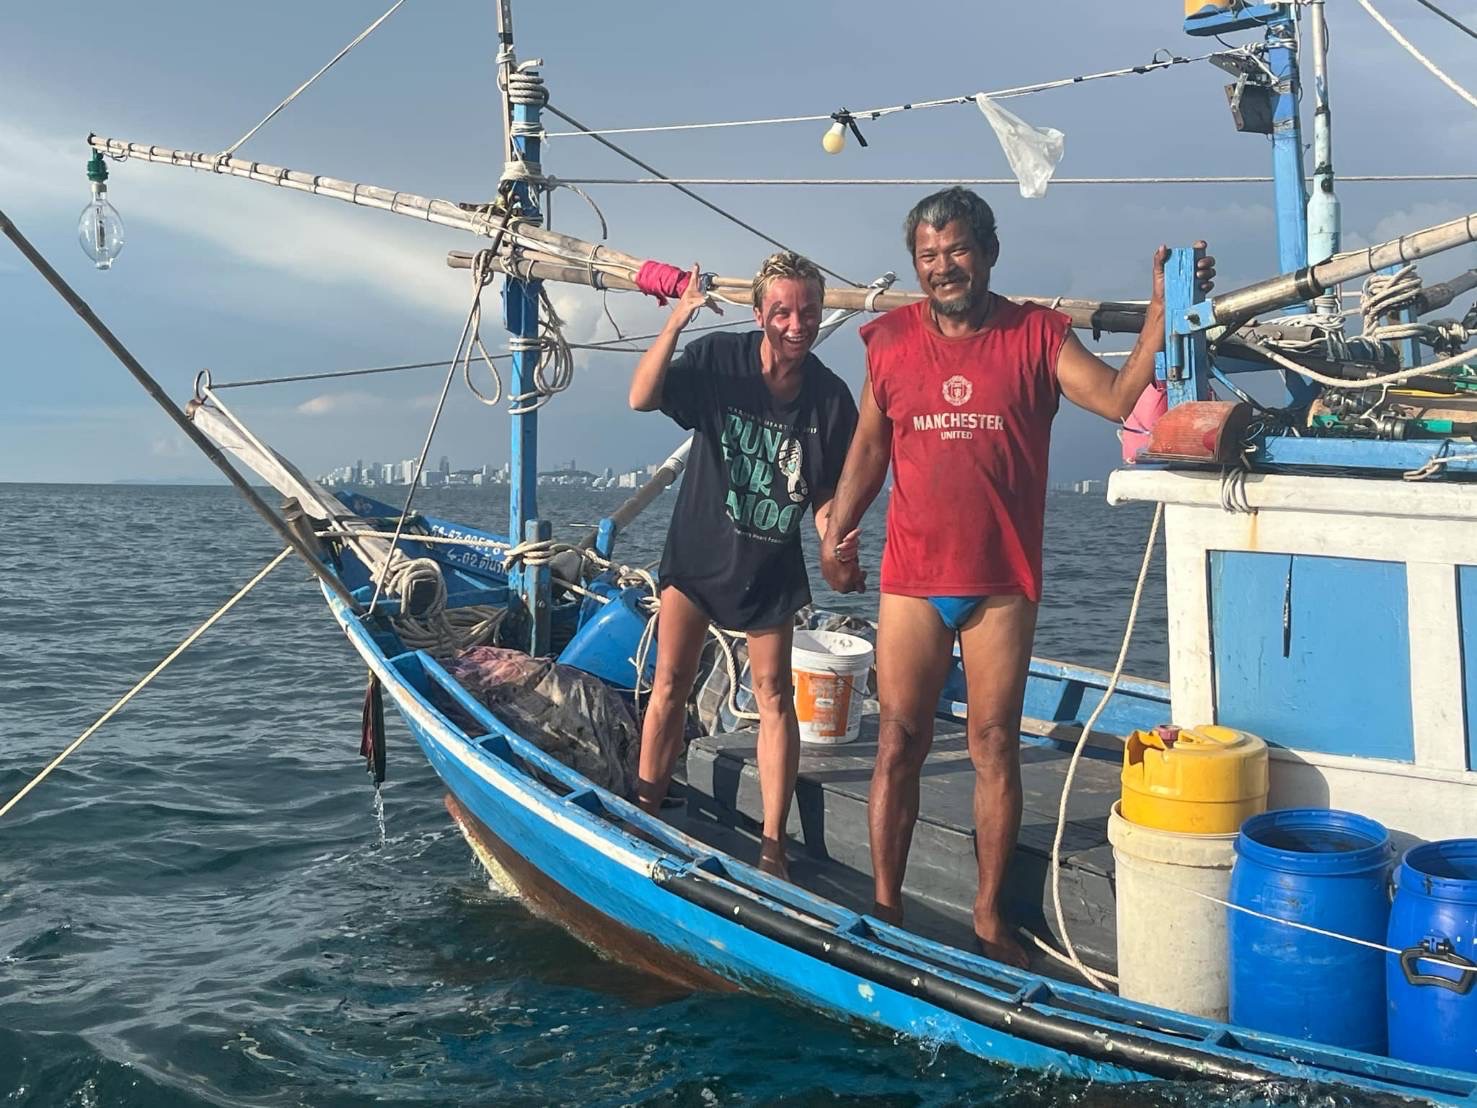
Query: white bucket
[(830, 673), (1171, 943)]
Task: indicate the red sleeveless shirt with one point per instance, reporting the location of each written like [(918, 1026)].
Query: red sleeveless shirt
[(971, 430)]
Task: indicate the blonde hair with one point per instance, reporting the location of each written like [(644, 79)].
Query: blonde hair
[(785, 265)]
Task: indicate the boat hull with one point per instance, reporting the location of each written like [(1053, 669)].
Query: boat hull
[(674, 906)]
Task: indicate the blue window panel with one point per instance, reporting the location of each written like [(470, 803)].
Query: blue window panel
[(1466, 585), (1313, 653)]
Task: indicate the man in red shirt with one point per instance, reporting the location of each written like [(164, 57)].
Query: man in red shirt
[(961, 390)]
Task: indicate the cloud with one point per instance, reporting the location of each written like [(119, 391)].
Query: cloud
[(309, 239), (337, 403)]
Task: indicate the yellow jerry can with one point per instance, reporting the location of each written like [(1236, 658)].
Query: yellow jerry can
[(1194, 780)]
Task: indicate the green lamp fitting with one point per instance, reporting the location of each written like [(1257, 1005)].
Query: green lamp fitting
[(97, 169)]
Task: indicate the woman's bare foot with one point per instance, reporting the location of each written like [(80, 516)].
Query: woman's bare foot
[(996, 939), (772, 859)]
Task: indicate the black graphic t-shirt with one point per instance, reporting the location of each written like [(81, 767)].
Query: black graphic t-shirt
[(756, 466)]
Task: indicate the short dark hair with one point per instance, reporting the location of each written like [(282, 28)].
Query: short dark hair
[(942, 208)]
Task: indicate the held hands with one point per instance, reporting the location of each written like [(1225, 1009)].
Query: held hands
[(839, 564), (692, 300), (1204, 272)]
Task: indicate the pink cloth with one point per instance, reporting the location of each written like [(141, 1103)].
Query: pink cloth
[(661, 280), (1153, 402)]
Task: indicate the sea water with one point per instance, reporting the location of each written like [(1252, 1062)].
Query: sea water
[(202, 905)]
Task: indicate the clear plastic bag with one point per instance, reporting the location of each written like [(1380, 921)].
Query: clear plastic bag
[(1033, 152)]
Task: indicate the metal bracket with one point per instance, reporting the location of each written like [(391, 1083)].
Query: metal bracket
[(1186, 355)]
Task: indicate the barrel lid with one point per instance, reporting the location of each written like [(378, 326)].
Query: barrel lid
[(1209, 739), (1209, 764)]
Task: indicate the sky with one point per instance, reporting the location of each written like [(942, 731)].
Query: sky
[(252, 281)]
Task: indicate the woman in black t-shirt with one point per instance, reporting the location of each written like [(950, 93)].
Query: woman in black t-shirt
[(770, 425)]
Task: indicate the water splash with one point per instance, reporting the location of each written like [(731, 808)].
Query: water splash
[(379, 815)]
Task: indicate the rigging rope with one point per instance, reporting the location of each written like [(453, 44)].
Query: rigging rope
[(685, 190), (131, 693), (1353, 383), (616, 345), (473, 317), (1416, 54), (1363, 178), (1457, 23), (1156, 63), (364, 34)]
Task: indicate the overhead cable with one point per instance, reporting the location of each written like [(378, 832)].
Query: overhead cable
[(1403, 178), (687, 191), (877, 113), (1453, 20), (1416, 54), (364, 34)]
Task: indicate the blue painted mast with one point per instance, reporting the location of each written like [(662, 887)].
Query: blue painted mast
[(521, 316)]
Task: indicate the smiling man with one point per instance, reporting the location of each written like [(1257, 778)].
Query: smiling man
[(770, 429), (961, 390)]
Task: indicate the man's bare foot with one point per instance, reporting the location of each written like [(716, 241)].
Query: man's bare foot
[(888, 913), (772, 859), (996, 939)]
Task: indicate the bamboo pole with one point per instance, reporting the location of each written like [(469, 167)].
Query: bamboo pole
[(443, 212), (1287, 289), (553, 264), (1095, 315)]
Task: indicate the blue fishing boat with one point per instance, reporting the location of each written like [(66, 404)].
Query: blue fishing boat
[(1320, 582)]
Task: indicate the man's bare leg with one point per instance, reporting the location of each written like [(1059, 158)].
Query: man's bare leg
[(996, 643), (779, 738), (681, 628), (913, 653)]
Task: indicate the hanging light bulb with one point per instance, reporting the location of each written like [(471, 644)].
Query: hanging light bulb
[(100, 228), (834, 139)]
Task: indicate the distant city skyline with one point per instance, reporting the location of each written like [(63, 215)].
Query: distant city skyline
[(375, 474)]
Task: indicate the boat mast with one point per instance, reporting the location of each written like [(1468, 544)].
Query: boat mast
[(521, 153)]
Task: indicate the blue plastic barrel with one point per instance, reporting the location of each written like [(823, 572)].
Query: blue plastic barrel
[(605, 645), (1433, 1007), (1329, 870)]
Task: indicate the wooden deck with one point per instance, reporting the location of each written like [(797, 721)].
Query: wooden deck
[(828, 823)]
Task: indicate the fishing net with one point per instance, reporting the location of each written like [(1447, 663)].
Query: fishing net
[(565, 712)]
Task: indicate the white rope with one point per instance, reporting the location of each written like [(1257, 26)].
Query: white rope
[(1052, 952), (704, 201), (1363, 382), (481, 274), (131, 693), (447, 633), (1387, 293), (878, 113), (364, 34), (1432, 959), (1093, 976), (416, 536), (1417, 55), (554, 370), (943, 182), (1436, 463)]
